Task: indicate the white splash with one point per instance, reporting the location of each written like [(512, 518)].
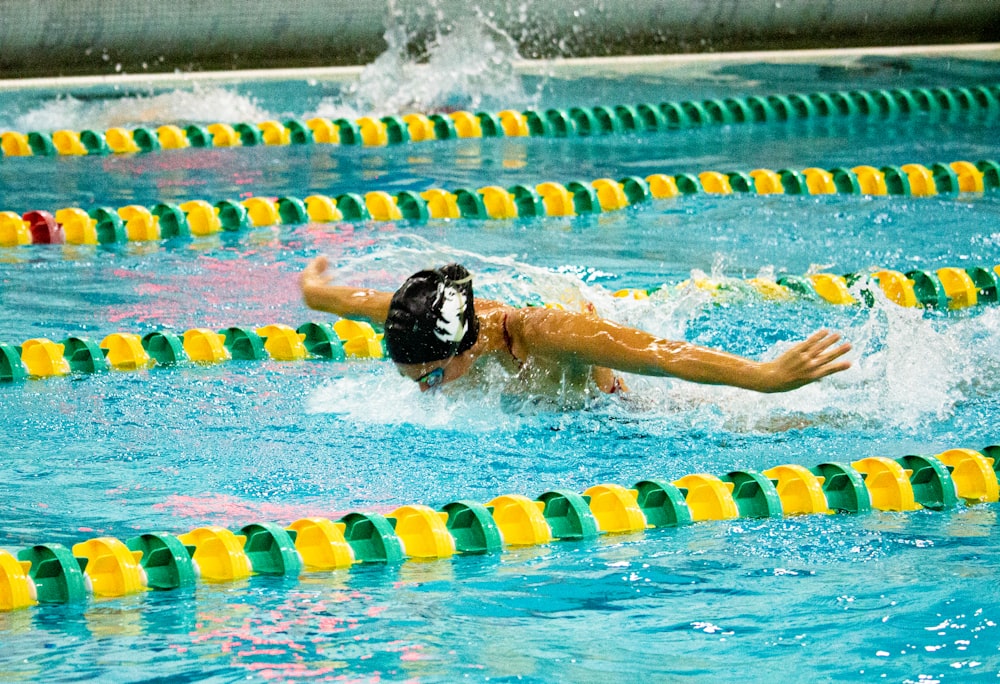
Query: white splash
[(909, 367), (465, 68), (197, 105), (384, 397), (381, 397)]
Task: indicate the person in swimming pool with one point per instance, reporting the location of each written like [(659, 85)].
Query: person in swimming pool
[(435, 331)]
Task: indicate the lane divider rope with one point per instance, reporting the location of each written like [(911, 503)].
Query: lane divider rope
[(893, 103), (41, 357), (947, 288), (165, 220), (107, 567)]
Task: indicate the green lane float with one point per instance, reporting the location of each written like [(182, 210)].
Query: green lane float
[(473, 527), (754, 494), (933, 486), (56, 575), (105, 567), (372, 538), (166, 561), (569, 515), (198, 218), (662, 503), (843, 486), (619, 119), (271, 549)]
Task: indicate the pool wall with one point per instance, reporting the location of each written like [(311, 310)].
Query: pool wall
[(47, 37)]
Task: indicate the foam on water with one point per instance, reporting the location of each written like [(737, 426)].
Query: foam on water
[(909, 367), (199, 104), (380, 398), (466, 68)]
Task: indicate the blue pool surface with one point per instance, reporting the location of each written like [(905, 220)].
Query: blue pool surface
[(893, 596)]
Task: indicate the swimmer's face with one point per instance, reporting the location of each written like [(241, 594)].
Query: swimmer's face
[(436, 373)]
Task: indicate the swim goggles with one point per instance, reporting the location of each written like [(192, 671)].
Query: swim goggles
[(432, 379)]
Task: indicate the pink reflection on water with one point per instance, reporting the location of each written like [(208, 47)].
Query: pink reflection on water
[(228, 291), (224, 509), (270, 644), (212, 169)]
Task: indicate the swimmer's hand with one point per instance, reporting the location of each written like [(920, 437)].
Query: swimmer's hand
[(320, 293), (313, 280), (804, 363)]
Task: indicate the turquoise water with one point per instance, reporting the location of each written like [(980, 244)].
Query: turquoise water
[(905, 597)]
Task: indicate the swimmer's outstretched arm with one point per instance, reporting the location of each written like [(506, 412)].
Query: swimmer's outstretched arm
[(349, 302), (566, 336)]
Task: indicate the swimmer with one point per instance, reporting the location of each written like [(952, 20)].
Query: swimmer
[(435, 332)]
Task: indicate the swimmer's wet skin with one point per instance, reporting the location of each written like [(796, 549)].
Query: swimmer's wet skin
[(435, 331)]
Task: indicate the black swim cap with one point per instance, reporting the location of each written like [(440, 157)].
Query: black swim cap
[(431, 317)]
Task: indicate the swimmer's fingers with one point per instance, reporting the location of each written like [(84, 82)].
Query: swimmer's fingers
[(808, 361), (315, 273), (824, 367), (826, 360), (317, 265), (820, 349), (819, 341)]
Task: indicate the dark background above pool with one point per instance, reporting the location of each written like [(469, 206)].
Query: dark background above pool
[(61, 37)]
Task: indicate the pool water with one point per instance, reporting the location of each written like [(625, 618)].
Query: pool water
[(899, 596)]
